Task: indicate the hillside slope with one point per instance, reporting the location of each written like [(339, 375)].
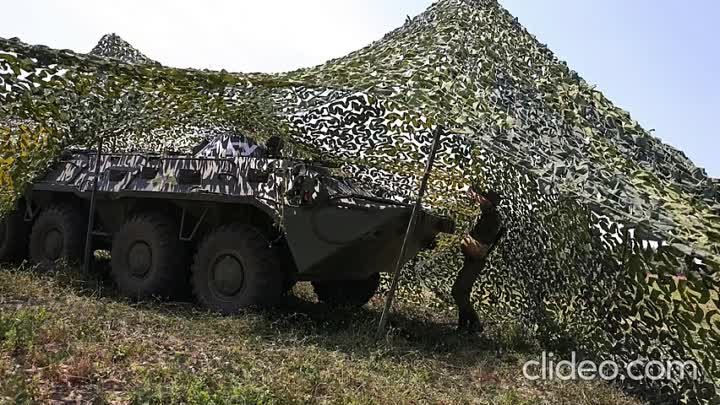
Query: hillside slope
[(68, 340)]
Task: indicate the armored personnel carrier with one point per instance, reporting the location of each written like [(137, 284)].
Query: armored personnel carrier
[(235, 222)]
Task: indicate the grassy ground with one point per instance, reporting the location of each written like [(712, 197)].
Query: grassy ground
[(66, 339)]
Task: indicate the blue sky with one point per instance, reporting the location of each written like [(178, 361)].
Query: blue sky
[(657, 59)]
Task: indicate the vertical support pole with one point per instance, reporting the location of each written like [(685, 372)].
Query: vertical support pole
[(410, 229), (91, 213)]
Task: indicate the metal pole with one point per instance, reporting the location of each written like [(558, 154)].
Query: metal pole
[(91, 214), (411, 227)]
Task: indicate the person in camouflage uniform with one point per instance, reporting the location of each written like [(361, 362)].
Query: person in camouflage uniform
[(475, 247)]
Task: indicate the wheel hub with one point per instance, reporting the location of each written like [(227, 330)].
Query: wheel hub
[(139, 258), (228, 274), (53, 245)]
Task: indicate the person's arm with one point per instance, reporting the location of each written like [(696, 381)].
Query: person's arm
[(472, 244), (473, 248)]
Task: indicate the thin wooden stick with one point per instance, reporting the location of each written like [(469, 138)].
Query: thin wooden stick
[(410, 229), (91, 214)]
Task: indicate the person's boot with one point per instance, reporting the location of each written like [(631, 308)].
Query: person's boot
[(473, 323), (467, 317), (463, 320)]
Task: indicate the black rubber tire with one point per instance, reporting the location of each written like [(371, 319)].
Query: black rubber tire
[(148, 259), (13, 238), (347, 293), (253, 272), (58, 233)]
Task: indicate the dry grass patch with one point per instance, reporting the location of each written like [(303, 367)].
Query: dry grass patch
[(69, 339)]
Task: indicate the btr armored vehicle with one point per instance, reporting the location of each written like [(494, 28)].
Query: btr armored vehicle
[(234, 222)]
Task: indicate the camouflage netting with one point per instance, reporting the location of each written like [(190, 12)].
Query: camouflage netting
[(613, 246), (112, 46)]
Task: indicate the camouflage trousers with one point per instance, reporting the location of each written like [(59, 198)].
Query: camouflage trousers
[(467, 317)]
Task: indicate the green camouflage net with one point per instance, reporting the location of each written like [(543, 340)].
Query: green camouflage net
[(613, 243)]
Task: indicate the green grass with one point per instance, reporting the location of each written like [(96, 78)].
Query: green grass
[(68, 339)]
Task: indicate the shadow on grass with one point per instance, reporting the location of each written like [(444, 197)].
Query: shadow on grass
[(300, 320)]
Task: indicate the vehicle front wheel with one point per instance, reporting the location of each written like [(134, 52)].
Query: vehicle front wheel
[(353, 293), (234, 268)]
